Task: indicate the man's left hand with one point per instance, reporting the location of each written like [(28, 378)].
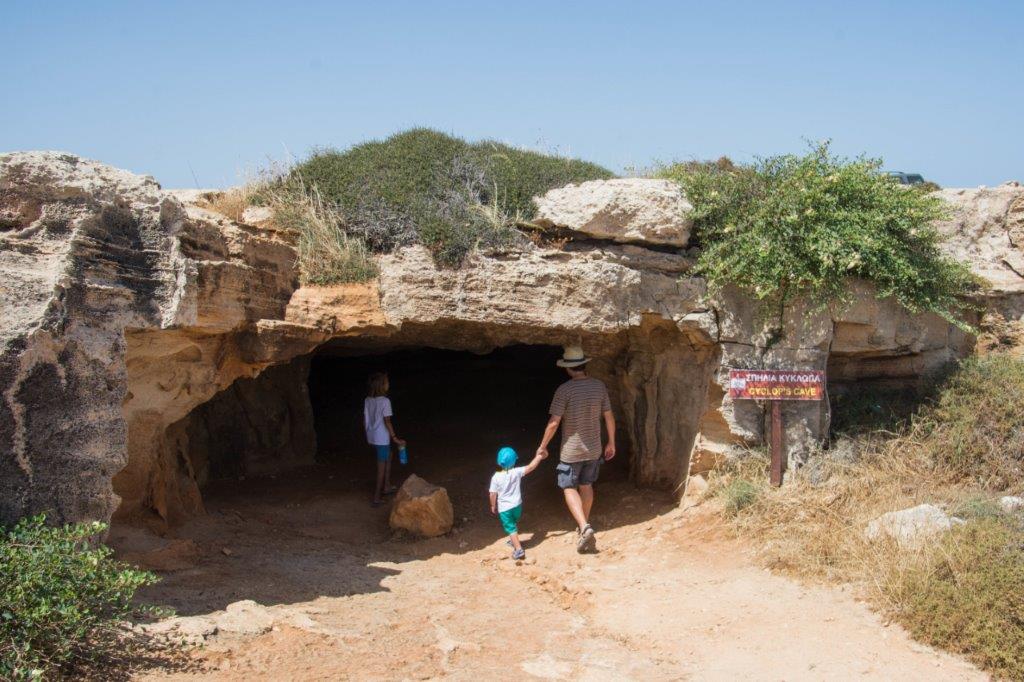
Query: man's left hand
[(609, 451)]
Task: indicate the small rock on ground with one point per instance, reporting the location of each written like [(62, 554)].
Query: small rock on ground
[(910, 527)]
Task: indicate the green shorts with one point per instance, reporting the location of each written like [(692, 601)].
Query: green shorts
[(510, 519)]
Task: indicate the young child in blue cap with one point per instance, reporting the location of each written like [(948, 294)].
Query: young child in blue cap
[(506, 498)]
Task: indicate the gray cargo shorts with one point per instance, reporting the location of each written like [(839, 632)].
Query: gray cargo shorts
[(575, 474)]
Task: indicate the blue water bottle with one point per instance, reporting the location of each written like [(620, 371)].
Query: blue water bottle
[(403, 455)]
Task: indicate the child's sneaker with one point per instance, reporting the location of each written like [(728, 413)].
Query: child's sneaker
[(519, 554), (586, 542)]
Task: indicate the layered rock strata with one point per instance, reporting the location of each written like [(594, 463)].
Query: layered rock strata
[(135, 321)]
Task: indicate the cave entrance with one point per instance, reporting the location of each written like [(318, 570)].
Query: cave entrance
[(303, 416), (455, 409)]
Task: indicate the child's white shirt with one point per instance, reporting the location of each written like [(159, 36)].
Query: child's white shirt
[(506, 484), (374, 411)]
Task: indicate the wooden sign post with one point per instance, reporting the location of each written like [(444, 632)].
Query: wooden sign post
[(775, 386)]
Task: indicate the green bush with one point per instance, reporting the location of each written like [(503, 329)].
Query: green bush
[(63, 600), (975, 428), (802, 226), (977, 507), (969, 598), (423, 185), (738, 494)]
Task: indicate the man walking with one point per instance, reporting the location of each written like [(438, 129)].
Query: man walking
[(578, 406)]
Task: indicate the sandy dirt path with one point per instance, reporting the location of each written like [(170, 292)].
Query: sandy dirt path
[(669, 596)]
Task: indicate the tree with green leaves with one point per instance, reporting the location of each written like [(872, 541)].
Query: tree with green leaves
[(789, 227)]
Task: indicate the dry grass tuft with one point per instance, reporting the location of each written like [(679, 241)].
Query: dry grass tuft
[(232, 202), (253, 191), (327, 255), (330, 249)]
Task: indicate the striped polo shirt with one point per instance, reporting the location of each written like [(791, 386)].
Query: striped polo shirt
[(580, 402)]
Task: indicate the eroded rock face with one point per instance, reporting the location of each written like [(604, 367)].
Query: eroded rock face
[(89, 255), (130, 313), (641, 210), (422, 508), (986, 229), (87, 250)]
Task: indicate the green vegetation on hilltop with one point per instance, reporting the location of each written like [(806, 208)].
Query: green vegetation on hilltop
[(427, 187), (801, 226), (64, 601)]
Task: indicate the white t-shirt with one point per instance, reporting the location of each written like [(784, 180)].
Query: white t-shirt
[(506, 484), (374, 411)]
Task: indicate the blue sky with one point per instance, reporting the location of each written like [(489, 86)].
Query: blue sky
[(203, 92)]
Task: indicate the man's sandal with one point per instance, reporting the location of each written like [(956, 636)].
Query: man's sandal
[(586, 542)]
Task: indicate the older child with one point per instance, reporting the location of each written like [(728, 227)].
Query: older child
[(506, 497), (380, 433)]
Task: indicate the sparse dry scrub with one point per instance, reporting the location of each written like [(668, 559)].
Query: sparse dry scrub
[(332, 247), (232, 202), (327, 254), (963, 592)]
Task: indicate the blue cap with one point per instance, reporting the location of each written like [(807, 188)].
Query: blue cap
[(507, 458)]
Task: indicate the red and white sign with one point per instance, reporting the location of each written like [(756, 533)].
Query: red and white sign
[(776, 384)]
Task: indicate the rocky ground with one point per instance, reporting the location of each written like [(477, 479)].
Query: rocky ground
[(297, 577)]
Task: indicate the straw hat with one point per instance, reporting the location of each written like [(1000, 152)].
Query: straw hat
[(572, 356)]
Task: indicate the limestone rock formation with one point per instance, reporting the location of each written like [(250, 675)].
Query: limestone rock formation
[(255, 426), (245, 617), (137, 324), (986, 228), (1011, 503), (94, 260), (911, 527), (422, 509), (623, 210)]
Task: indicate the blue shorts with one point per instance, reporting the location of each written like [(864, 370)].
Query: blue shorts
[(383, 452)]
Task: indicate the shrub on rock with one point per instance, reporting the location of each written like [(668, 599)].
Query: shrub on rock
[(424, 186), (792, 226)]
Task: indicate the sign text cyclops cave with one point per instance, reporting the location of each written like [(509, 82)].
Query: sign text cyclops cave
[(772, 384)]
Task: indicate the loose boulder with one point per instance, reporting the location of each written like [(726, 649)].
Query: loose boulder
[(1011, 503), (422, 508), (245, 617), (911, 527), (623, 210)]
